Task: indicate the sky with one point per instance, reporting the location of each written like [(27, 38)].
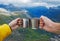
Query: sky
[(31, 3)]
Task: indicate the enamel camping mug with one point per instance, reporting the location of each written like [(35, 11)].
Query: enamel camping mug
[(32, 23)]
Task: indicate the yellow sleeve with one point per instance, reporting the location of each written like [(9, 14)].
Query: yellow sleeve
[(4, 31)]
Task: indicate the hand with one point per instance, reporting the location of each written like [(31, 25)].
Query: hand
[(15, 23), (49, 25)]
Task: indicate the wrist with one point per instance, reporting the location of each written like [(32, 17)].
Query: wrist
[(10, 27), (58, 25)]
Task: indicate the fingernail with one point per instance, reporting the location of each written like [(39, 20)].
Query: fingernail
[(42, 16)]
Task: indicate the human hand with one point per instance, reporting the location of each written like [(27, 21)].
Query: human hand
[(48, 25), (14, 24)]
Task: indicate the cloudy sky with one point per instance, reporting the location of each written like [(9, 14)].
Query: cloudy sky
[(28, 3)]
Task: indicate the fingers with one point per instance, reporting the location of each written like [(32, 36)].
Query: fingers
[(42, 26), (20, 22), (46, 24), (44, 21), (41, 23)]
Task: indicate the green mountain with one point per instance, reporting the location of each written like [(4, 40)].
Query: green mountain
[(22, 34)]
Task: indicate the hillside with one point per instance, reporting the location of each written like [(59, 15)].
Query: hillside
[(21, 34), (24, 34)]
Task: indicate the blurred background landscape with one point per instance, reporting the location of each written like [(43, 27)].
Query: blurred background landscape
[(34, 9)]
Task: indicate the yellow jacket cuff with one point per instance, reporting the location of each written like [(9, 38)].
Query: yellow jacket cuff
[(4, 31)]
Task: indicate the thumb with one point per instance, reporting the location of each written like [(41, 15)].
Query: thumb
[(17, 19)]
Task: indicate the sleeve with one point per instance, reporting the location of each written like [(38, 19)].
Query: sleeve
[(4, 31)]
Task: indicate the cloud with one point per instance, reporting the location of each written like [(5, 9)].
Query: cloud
[(4, 12), (55, 2), (34, 4), (14, 1), (31, 3)]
